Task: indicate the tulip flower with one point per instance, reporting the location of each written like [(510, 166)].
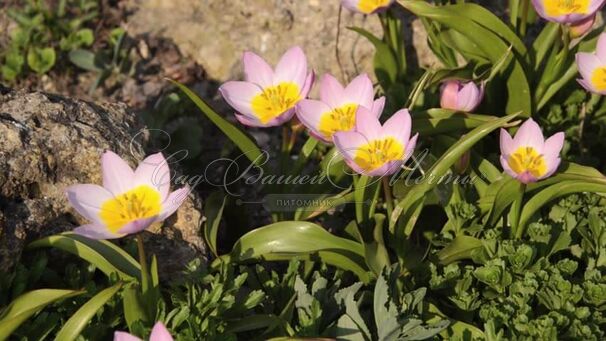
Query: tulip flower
[(567, 11), (366, 6), (129, 201), (158, 333), (592, 67), (579, 29), (461, 96), (268, 97), (528, 157), (375, 150), (337, 107)]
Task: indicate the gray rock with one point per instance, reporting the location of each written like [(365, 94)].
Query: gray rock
[(48, 142)]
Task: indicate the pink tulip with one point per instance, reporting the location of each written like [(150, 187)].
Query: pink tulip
[(592, 67), (129, 201), (567, 11), (528, 157), (337, 107), (158, 333), (375, 150), (461, 96), (579, 29), (367, 6), (268, 97)]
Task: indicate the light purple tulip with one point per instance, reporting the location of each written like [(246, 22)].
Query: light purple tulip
[(337, 107), (129, 201), (367, 6), (158, 333), (375, 150), (461, 96), (268, 97), (528, 157), (567, 12), (592, 67)]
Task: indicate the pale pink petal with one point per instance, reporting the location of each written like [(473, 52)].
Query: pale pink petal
[(292, 67), (360, 91), (154, 172), (553, 145), (387, 169), (526, 178), (538, 6), (398, 126), (368, 124), (594, 6), (310, 113), (160, 333), (87, 199), (469, 97), (585, 84), (309, 81), (239, 95), (172, 203), (529, 135), (601, 48), (98, 232), (331, 91), (124, 336), (117, 174), (249, 121), (553, 163), (348, 143), (410, 147), (587, 63), (256, 70), (506, 143), (283, 118), (137, 226), (377, 106), (506, 168), (351, 5), (449, 95)]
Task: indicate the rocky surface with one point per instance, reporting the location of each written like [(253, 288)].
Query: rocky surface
[(48, 142)]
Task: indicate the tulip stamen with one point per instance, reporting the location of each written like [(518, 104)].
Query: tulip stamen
[(378, 152), (527, 159), (369, 6), (565, 7), (275, 100), (340, 119), (138, 203)]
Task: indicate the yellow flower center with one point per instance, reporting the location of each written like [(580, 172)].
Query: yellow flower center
[(340, 119), (378, 152), (275, 100), (527, 159), (369, 6), (598, 78), (138, 203), (556, 8)]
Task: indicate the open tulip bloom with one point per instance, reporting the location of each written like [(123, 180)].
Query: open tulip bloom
[(461, 96), (337, 107), (528, 157), (158, 333), (129, 201), (375, 150), (367, 6), (567, 11), (592, 67), (268, 97)]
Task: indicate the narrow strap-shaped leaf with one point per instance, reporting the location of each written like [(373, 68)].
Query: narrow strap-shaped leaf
[(213, 208)]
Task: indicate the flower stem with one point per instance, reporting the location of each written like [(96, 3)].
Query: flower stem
[(516, 207), (142, 263), (388, 196), (524, 18)]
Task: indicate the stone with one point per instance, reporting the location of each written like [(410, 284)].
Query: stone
[(48, 142)]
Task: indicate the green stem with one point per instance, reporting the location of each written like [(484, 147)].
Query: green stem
[(516, 208), (524, 19), (142, 263), (388, 196)]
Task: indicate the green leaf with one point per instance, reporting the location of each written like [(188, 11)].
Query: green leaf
[(291, 239), (376, 253), (77, 322), (385, 62), (134, 307), (441, 121), (26, 305), (84, 59), (245, 143), (460, 248), (213, 208), (101, 253), (41, 60)]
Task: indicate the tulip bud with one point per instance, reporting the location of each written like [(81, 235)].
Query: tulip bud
[(579, 29), (460, 96)]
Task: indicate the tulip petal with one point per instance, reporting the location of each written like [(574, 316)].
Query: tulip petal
[(360, 91), (587, 63), (309, 81), (387, 169), (97, 232), (506, 167), (138, 225), (348, 143), (506, 143), (310, 113), (154, 171), (292, 67), (284, 117), (87, 199), (249, 121), (553, 145), (351, 5), (469, 97), (160, 333), (410, 147), (399, 126), (239, 95), (172, 203), (117, 174), (256, 70), (124, 336), (331, 91), (449, 95), (601, 49), (553, 162), (368, 124), (529, 135), (377, 106)]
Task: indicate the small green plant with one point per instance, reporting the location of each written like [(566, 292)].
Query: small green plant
[(43, 33)]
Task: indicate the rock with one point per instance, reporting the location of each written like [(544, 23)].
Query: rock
[(49, 142)]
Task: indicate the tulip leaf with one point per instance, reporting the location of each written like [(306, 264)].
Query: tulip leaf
[(385, 62), (409, 205), (134, 307), (441, 121), (291, 239), (213, 209), (101, 253), (244, 142), (78, 321), (553, 192), (28, 304), (460, 248)]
